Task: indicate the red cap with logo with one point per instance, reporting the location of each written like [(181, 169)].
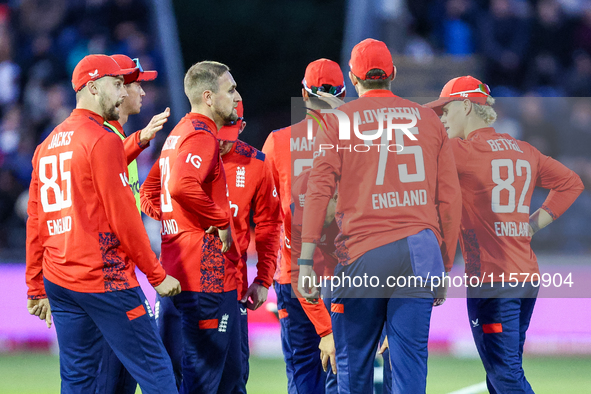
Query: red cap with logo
[(230, 132), (94, 67), (127, 62), (459, 89), (370, 54), (324, 72)]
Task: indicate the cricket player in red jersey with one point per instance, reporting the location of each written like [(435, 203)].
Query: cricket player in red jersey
[(251, 188), (186, 190), (113, 377), (289, 152), (498, 174), (84, 239), (398, 211)]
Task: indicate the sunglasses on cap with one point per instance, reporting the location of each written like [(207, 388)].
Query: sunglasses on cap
[(235, 122), (334, 90), (137, 64), (482, 88)]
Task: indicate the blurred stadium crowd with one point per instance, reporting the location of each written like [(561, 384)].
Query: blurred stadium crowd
[(537, 53)]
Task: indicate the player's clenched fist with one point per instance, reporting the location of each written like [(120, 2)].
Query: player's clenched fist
[(169, 287)]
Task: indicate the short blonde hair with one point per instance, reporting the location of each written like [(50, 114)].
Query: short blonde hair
[(203, 76), (486, 112)]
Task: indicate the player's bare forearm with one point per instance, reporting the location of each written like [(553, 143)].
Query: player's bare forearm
[(538, 220), (308, 249)]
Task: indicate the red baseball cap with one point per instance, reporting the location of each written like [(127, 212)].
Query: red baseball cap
[(127, 62), (370, 54), (324, 72), (230, 132), (94, 67), (459, 89)]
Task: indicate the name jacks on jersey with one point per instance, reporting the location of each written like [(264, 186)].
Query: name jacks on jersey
[(393, 199), (59, 226), (62, 138), (512, 229)]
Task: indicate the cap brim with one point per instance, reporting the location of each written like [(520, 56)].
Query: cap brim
[(438, 104), (129, 74), (229, 133), (147, 76)]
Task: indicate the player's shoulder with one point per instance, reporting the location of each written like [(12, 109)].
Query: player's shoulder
[(200, 127), (243, 149), (189, 129), (278, 134), (77, 129)]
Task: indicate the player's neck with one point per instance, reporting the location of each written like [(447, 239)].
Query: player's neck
[(206, 111), (123, 118), (91, 105), (473, 123)]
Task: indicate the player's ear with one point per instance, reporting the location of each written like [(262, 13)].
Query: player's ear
[(467, 106), (393, 73), (92, 87), (305, 95), (242, 126), (207, 97), (353, 78)]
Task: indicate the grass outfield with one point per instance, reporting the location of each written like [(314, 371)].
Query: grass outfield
[(39, 374)]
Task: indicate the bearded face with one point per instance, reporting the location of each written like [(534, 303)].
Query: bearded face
[(111, 94), (225, 100)]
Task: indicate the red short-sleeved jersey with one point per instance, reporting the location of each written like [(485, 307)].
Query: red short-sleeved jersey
[(186, 190), (252, 188), (83, 231), (384, 195), (497, 175)]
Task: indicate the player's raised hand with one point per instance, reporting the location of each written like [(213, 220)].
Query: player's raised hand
[(331, 100), (257, 293), (306, 281), (169, 287), (225, 236), (328, 352), (156, 124), (40, 308)]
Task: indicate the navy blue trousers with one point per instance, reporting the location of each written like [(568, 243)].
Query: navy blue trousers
[(168, 319), (299, 342), (84, 321), (359, 314), (244, 350), (112, 377), (207, 340), (499, 326)]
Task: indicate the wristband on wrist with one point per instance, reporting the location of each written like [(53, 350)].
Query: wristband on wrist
[(305, 262)]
